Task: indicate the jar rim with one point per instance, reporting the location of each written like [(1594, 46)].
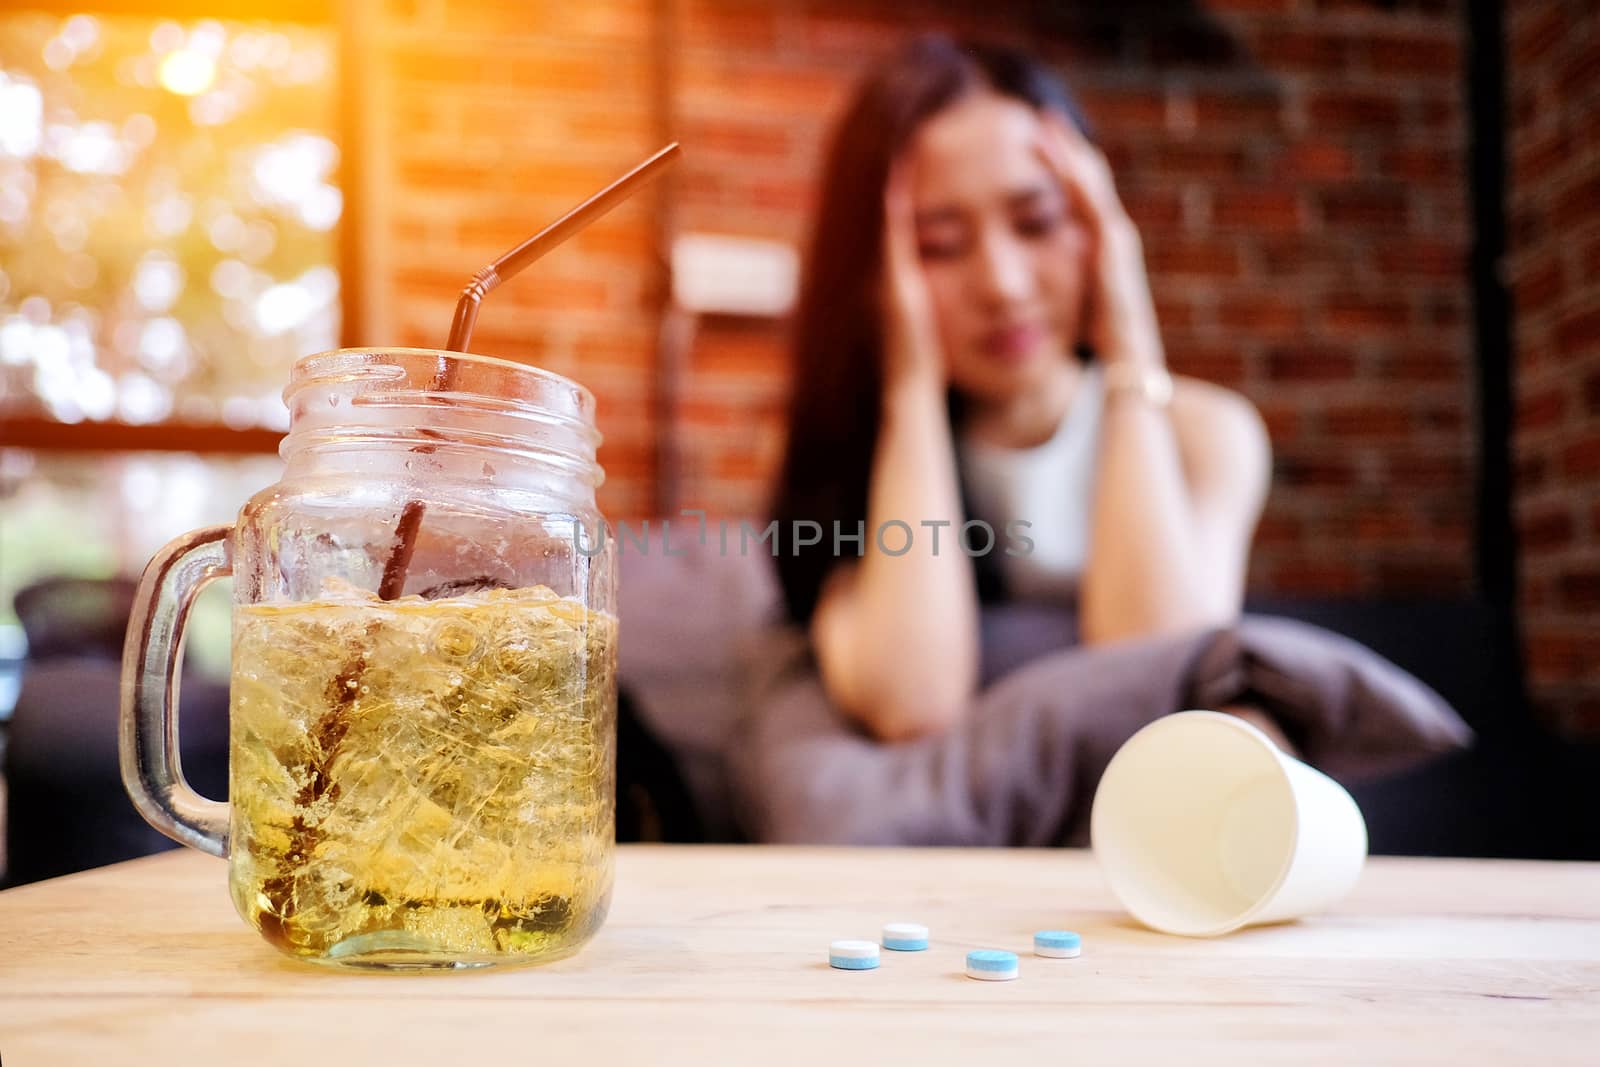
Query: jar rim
[(425, 398), (304, 362)]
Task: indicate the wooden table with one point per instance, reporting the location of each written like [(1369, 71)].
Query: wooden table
[(718, 955)]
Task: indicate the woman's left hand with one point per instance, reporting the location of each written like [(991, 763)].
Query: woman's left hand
[(1121, 318)]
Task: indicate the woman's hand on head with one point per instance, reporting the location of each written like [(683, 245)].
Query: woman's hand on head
[(912, 352), (1120, 321)]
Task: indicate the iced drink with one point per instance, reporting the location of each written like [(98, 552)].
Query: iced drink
[(421, 779)]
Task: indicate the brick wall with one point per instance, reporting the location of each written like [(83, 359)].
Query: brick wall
[(1297, 168), (1555, 275)]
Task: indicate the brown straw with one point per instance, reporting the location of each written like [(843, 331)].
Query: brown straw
[(482, 284), (485, 281)]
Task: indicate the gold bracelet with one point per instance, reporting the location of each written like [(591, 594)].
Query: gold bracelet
[(1153, 384)]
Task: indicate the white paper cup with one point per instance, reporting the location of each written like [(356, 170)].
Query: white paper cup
[(1203, 825)]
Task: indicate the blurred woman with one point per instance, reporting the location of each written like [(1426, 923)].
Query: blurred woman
[(976, 341)]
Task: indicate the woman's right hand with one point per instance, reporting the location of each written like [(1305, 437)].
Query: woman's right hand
[(912, 353)]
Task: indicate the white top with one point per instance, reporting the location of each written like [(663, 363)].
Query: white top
[(1050, 486)]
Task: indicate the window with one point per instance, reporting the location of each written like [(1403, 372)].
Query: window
[(169, 243), (167, 216)]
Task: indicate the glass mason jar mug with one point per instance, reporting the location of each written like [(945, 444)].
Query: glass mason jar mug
[(423, 692)]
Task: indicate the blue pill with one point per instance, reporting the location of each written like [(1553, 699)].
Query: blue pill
[(1057, 944), (991, 964)]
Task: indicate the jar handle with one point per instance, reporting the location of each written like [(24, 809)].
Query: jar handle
[(151, 770)]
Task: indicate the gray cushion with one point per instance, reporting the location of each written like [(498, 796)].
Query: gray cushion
[(1022, 767), (731, 689)]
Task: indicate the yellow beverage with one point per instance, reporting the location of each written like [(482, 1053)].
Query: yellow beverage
[(423, 782)]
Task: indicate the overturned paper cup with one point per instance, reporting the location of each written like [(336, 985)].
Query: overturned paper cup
[(1203, 825)]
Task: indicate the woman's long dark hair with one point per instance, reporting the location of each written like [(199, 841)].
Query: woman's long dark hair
[(837, 386)]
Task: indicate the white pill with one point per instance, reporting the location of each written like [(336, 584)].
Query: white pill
[(905, 937), (853, 955)]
